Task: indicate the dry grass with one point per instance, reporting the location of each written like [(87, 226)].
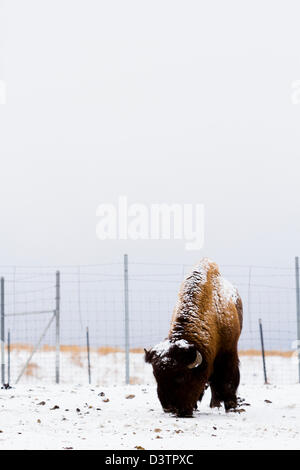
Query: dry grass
[(21, 347), (31, 369), (107, 350), (104, 350), (257, 352), (76, 359), (135, 381)]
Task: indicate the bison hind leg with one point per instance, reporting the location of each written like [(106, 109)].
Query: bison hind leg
[(215, 403), (225, 381), (216, 400), (230, 405)]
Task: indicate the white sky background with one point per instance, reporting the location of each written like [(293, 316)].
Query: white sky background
[(162, 101)]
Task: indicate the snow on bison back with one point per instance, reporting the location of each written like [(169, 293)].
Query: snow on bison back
[(201, 347)]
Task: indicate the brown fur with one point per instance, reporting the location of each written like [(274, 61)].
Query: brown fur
[(215, 326), (209, 322)]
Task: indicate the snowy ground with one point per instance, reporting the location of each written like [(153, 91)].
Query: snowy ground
[(36, 414), (126, 417)]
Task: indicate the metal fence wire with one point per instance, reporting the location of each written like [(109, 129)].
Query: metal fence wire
[(126, 306)]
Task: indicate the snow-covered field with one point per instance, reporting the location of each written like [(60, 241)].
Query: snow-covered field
[(130, 417), (109, 415)]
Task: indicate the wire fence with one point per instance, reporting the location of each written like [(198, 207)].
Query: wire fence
[(95, 297)]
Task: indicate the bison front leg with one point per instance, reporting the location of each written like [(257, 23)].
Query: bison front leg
[(231, 384), (225, 381), (199, 399)]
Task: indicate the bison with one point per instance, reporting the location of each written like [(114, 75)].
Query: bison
[(201, 348)]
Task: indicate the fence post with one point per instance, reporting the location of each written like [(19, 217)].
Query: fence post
[(249, 298), (88, 353), (8, 357), (2, 333), (263, 350), (127, 373), (57, 327), (298, 311)]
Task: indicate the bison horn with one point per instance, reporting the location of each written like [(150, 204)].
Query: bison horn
[(196, 362)]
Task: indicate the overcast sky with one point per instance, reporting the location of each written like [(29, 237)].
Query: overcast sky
[(162, 101)]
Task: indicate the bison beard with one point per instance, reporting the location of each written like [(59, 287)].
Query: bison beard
[(201, 348)]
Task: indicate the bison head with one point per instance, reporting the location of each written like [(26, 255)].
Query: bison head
[(178, 370)]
